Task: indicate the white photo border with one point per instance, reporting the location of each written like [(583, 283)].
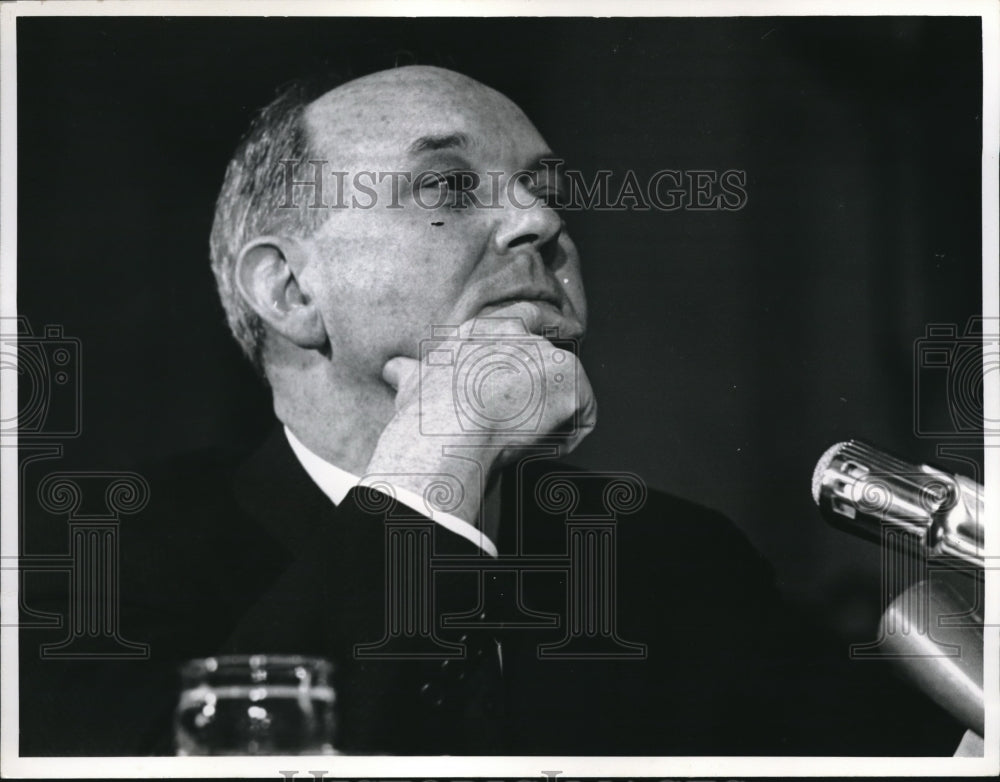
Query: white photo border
[(12, 765)]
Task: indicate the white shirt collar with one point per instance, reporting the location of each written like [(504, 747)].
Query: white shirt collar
[(332, 481), (335, 483)]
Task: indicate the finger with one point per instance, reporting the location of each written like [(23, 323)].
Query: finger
[(397, 369), (584, 425)]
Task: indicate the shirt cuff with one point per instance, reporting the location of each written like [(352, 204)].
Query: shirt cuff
[(451, 523)]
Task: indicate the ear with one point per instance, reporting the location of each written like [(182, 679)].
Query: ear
[(267, 276)]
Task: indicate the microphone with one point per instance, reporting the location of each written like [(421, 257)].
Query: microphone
[(862, 488)]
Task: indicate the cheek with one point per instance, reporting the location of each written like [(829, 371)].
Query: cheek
[(570, 275), (578, 299), (410, 260)]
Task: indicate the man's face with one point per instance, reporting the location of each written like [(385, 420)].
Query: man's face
[(382, 276)]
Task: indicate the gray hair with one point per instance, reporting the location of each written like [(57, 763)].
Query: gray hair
[(249, 204)]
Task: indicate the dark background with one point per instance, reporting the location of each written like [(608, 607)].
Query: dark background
[(727, 349)]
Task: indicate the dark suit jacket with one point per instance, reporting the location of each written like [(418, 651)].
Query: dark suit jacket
[(254, 558)]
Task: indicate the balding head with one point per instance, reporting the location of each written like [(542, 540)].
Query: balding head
[(357, 121)]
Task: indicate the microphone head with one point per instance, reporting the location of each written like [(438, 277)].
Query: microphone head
[(863, 489), (821, 466)]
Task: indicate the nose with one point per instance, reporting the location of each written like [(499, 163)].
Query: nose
[(526, 220)]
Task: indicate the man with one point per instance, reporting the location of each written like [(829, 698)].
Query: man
[(358, 318), (335, 318)]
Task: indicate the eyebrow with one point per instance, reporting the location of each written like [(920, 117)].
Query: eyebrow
[(434, 143), (458, 140)]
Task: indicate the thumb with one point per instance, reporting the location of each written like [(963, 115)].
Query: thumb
[(397, 369)]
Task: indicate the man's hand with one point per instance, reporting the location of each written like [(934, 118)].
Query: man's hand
[(476, 399)]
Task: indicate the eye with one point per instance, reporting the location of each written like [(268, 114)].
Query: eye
[(435, 180), (446, 188), (550, 194), (543, 187)]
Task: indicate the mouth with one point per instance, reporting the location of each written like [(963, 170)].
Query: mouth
[(550, 304), (537, 296)]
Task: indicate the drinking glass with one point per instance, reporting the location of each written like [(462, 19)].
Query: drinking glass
[(255, 705)]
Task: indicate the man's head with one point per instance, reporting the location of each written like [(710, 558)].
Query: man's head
[(340, 291)]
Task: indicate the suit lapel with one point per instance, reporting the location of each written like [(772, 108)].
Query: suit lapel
[(272, 487)]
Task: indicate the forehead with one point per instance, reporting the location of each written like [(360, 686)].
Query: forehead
[(379, 117)]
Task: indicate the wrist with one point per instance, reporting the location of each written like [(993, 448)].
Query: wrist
[(449, 479)]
